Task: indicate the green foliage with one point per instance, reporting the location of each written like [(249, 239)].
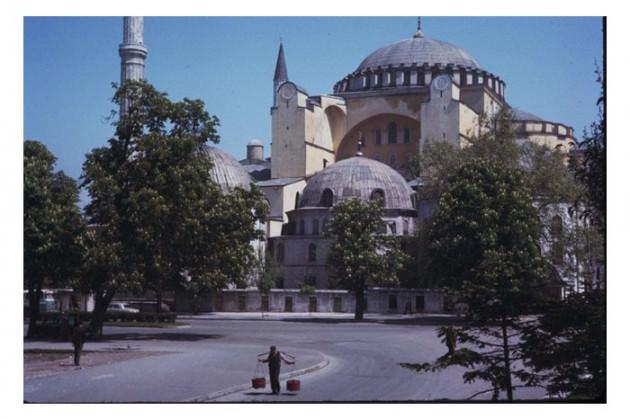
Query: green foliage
[(267, 273), (567, 347), (53, 226), (160, 221), (307, 289), (483, 247), (546, 175), (360, 255), (590, 169)]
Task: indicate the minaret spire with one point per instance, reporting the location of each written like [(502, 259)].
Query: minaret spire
[(419, 33), (132, 50), (280, 75)]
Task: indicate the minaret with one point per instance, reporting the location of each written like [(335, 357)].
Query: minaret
[(132, 50), (280, 75)]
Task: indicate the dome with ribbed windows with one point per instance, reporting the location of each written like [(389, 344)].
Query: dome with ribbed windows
[(357, 177), (418, 51)]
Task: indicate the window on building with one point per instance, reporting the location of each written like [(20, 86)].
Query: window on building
[(393, 302), (419, 303), (378, 195), (392, 228), (392, 132), (392, 159), (288, 304), (310, 280), (301, 231), (324, 163), (557, 242), (325, 225), (312, 252), (280, 253), (312, 304), (406, 78), (315, 227), (405, 226), (297, 199), (407, 135), (377, 136), (280, 282), (337, 305), (327, 198)]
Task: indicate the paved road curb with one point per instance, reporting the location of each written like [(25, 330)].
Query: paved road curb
[(241, 387)]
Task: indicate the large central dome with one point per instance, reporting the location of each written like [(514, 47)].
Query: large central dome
[(418, 50)]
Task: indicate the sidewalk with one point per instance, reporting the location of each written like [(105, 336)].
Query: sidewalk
[(341, 317)]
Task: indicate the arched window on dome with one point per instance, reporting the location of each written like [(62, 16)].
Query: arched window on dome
[(280, 253), (326, 199), (392, 132), (315, 227), (379, 196), (377, 136), (312, 252), (557, 242)]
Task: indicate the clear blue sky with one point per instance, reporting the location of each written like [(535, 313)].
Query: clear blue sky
[(69, 64)]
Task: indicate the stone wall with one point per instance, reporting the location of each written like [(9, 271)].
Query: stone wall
[(379, 300)]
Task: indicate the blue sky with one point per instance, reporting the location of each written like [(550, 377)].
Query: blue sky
[(228, 62)]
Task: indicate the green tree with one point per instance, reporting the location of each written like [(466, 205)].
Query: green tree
[(360, 256), (156, 210), (567, 346), (53, 227), (484, 250)]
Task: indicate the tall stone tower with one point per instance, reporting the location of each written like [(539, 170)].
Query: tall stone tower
[(280, 75), (132, 50)]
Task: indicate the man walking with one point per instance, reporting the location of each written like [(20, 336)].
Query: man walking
[(275, 359), (78, 338)]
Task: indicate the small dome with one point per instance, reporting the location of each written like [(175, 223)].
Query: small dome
[(254, 142), (226, 171), (521, 115), (419, 50), (357, 177)]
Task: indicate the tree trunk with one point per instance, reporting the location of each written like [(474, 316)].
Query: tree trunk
[(506, 360), (158, 295), (34, 296), (358, 306), (101, 302)]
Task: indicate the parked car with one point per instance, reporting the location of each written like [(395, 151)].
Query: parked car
[(121, 307)]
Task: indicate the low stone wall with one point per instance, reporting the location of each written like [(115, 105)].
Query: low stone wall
[(379, 300)]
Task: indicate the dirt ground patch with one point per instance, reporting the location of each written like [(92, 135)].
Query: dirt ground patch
[(44, 362)]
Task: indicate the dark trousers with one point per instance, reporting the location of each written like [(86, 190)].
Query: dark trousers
[(77, 353), (274, 377)]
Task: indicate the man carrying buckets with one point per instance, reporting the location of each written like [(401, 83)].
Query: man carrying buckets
[(275, 359)]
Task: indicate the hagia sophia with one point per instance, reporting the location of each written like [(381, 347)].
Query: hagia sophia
[(355, 142)]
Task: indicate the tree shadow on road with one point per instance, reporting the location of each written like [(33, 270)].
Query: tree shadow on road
[(420, 321), (141, 336), (259, 393), (175, 337)]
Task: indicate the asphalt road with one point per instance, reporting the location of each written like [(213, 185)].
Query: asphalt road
[(218, 353)]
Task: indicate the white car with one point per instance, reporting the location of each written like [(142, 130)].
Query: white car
[(121, 308)]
